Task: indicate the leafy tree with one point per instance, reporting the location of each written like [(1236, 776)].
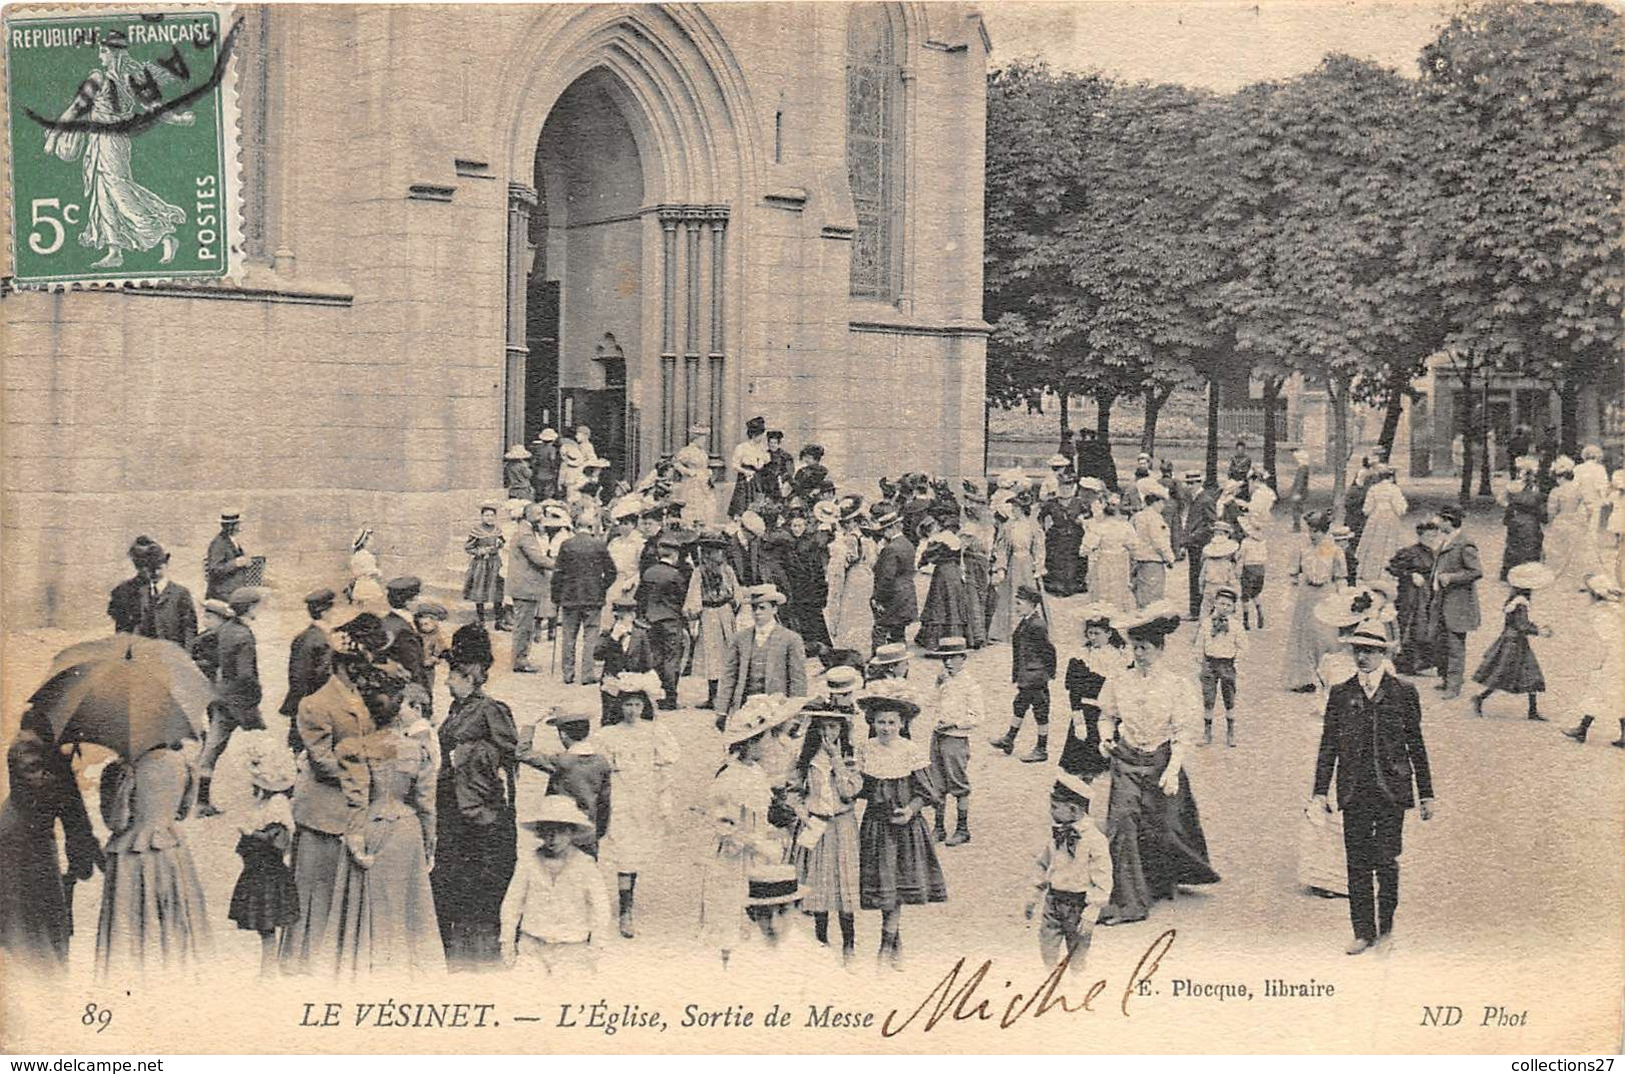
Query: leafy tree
[(1328, 201), (1533, 270)]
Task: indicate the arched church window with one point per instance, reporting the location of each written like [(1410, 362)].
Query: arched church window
[(874, 148)]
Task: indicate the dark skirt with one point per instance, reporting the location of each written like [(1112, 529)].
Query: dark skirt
[(897, 865), (1509, 665), (1156, 839), (1525, 542), (945, 613), (473, 864), (1081, 757), (265, 898), (1415, 637), (1063, 567), (976, 571), (35, 915)]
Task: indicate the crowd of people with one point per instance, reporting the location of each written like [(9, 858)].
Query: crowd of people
[(384, 834)]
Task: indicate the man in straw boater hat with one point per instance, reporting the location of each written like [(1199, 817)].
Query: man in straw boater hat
[(237, 689), (1156, 833), (556, 908), (1372, 742), (225, 565), (151, 604), (765, 657), (959, 711), (1073, 876)]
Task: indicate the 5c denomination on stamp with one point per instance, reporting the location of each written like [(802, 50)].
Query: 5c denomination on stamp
[(123, 145)]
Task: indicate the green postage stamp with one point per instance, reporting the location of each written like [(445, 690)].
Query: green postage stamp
[(122, 141)]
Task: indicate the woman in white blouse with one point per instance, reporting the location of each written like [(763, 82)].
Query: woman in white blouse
[(1151, 820)]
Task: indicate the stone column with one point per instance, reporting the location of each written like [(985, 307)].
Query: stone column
[(521, 199), (717, 215), (693, 220), (669, 217)]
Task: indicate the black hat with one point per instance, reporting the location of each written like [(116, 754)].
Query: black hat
[(813, 451), (1153, 624), (406, 585), (1029, 593), (1451, 513), (1069, 790), (471, 645), (367, 632), (755, 426), (146, 552), (321, 598), (873, 705), (775, 434)]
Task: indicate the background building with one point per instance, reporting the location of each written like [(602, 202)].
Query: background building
[(463, 223)]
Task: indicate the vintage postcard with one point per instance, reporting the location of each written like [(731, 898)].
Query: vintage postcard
[(813, 527)]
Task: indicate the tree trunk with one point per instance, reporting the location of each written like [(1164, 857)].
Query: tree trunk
[(1272, 395), (1338, 392), (1212, 464), (1398, 381), (1484, 459), (987, 431), (1155, 400), (1469, 437), (1568, 402), (1066, 416), (1103, 417)]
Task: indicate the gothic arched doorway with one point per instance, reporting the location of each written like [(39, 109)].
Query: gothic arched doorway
[(584, 300)]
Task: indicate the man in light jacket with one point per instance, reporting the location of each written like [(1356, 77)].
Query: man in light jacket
[(527, 582), (765, 657)]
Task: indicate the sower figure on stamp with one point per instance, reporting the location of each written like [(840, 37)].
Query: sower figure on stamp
[(1372, 742)]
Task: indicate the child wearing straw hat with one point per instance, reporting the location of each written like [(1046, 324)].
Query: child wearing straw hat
[(823, 792), (1510, 665), (1219, 568), (264, 898), (556, 908), (959, 710)]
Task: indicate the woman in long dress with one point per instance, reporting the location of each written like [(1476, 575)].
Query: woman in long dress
[(1109, 542), (366, 589), (851, 555), (1155, 832), (1086, 676), (1524, 517), (712, 605), (121, 214), (1318, 571), (386, 917), (1385, 532), (1570, 550), (153, 913), (975, 554), (999, 610), (477, 838), (35, 916), (944, 613), (1063, 532)]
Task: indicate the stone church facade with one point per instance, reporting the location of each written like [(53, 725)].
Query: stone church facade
[(465, 223)]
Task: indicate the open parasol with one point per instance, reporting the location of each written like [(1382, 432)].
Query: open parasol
[(127, 693)]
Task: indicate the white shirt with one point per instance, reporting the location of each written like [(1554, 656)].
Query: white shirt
[(556, 901), (1154, 708), (1087, 870), (959, 706)]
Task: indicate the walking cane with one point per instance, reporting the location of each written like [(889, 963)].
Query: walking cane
[(553, 653)]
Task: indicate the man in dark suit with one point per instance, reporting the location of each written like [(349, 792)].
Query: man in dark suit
[(582, 574), (225, 566), (1456, 571), (1032, 666), (660, 604), (150, 604), (236, 692), (1372, 742), (310, 662), (1199, 522), (895, 603)]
